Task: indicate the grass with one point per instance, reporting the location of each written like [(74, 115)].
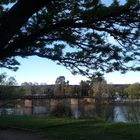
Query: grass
[(75, 129)]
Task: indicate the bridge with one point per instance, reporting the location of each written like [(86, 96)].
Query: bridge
[(53, 99), (43, 96)]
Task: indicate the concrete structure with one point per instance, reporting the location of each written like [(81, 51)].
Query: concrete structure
[(74, 101), (28, 103)]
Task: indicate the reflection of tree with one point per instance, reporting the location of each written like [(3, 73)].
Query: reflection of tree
[(132, 113), (104, 111), (97, 111), (88, 110)]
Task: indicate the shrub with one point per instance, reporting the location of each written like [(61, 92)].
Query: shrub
[(61, 110)]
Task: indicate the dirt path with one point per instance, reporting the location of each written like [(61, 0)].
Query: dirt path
[(9, 134)]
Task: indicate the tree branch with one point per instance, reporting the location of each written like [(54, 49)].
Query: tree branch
[(16, 17)]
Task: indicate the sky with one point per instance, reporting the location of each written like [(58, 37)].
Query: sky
[(35, 69), (40, 70)]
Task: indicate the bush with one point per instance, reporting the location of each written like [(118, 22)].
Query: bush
[(61, 110)]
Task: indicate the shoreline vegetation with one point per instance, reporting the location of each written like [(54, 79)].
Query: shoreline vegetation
[(72, 129)]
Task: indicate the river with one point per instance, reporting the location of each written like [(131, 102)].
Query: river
[(115, 113)]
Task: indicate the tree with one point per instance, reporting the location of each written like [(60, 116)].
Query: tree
[(74, 90), (99, 88), (8, 88), (73, 33), (59, 88), (5, 80), (84, 88), (133, 91), (33, 88), (27, 86), (120, 91)]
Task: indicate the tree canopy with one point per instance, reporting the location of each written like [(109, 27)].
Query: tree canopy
[(8, 87), (133, 91), (74, 33)]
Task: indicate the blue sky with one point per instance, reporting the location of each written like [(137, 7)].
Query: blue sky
[(35, 69), (41, 70)]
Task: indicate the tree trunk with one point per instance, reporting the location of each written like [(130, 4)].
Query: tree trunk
[(16, 17)]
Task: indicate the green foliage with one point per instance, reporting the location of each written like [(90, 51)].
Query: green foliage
[(60, 86), (133, 114), (8, 88), (133, 91), (5, 80), (77, 34), (74, 90), (84, 88), (61, 110), (100, 88), (6, 92)]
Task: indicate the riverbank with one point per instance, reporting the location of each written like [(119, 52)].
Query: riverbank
[(71, 129)]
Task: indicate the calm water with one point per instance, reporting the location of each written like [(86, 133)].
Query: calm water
[(116, 113)]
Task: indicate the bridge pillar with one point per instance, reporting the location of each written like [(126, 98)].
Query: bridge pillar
[(89, 100), (28, 103), (74, 101), (53, 102)]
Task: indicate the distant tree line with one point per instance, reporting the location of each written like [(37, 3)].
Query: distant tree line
[(9, 88), (96, 87), (133, 91)]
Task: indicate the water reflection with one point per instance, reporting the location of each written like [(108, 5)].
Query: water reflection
[(133, 114), (119, 113), (105, 111), (116, 113), (76, 111)]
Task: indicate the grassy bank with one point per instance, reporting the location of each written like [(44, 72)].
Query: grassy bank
[(72, 129)]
